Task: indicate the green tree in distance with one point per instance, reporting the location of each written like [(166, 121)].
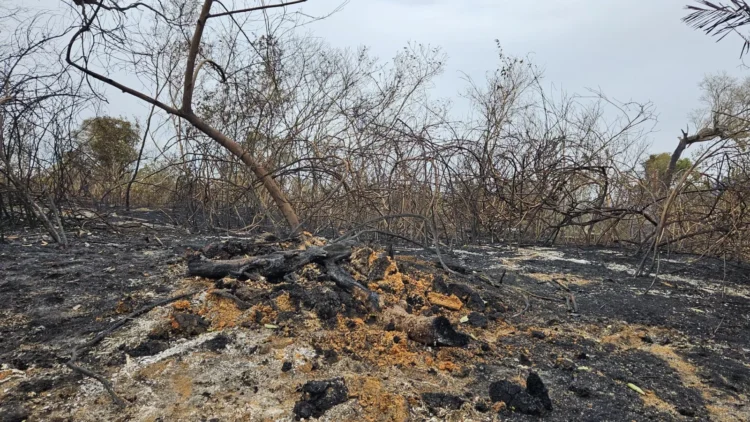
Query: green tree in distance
[(656, 167), (109, 144)]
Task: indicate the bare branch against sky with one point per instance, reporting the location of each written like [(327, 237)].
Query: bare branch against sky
[(631, 53)]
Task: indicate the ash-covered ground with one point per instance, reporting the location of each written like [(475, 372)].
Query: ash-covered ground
[(301, 346)]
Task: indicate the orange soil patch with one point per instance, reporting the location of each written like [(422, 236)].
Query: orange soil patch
[(650, 399), (564, 279), (221, 313), (284, 304), (393, 280), (377, 347), (181, 305), (153, 370), (378, 404), (267, 313), (183, 386), (451, 302)]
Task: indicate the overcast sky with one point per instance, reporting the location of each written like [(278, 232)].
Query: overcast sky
[(630, 49)]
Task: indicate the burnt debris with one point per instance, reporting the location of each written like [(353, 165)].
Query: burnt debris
[(534, 400), (320, 396)]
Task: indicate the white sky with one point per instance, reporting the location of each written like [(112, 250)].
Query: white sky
[(630, 49)]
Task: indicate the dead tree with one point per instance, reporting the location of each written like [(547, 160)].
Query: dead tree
[(193, 63)]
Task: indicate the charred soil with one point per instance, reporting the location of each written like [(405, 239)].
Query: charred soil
[(556, 334)]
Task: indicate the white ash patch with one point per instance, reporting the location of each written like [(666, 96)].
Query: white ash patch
[(134, 332), (620, 268), (463, 252), (712, 286), (555, 255)]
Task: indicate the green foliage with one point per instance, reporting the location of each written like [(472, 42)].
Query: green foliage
[(656, 166), (109, 147), (110, 141)]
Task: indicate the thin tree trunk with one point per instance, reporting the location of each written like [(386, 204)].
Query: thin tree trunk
[(140, 156)]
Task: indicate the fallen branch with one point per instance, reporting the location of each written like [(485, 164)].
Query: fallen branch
[(346, 281), (273, 265)]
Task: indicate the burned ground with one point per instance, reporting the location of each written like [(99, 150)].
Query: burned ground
[(301, 345)]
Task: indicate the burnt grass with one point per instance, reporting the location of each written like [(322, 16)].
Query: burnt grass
[(686, 344)]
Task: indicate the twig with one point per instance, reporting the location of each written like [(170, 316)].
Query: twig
[(58, 221), (107, 385), (525, 308), (656, 275), (562, 286), (719, 326), (82, 349)]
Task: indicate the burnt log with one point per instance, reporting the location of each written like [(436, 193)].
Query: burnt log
[(273, 266), (344, 280)]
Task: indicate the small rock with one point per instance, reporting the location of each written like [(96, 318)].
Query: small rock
[(477, 320), (461, 291), (446, 335), (686, 411), (580, 390), (439, 285), (532, 401), (524, 360), (538, 334), (494, 316), (442, 401), (647, 339), (535, 386), (475, 302), (286, 366), (515, 398)]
